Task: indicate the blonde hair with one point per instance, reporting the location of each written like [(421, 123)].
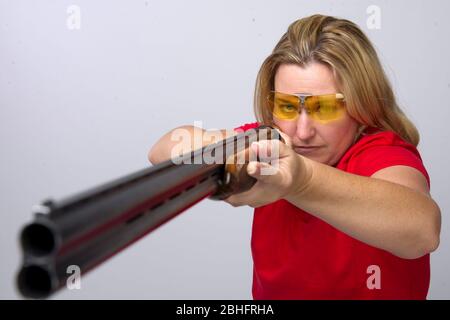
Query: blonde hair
[(341, 45)]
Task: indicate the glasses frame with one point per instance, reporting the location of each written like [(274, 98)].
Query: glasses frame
[(304, 96)]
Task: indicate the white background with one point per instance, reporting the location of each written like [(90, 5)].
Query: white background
[(81, 107)]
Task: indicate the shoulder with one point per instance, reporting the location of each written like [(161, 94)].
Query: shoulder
[(377, 150)]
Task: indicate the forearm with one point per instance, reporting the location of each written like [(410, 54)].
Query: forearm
[(184, 139), (385, 215), (162, 149)]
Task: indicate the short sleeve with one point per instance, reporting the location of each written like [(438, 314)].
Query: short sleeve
[(246, 127), (376, 158)]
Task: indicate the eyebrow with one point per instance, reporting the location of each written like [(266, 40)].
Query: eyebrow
[(284, 100), (281, 98)]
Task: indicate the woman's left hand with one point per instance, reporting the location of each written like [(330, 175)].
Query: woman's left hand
[(280, 173)]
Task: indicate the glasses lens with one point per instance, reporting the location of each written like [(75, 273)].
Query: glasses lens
[(325, 107), (284, 106), (322, 108)]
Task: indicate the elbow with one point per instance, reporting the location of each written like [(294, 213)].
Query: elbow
[(434, 230), (162, 149), (434, 244), (427, 237), (152, 156), (426, 246), (419, 249)]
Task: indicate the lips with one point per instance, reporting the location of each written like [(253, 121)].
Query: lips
[(305, 149)]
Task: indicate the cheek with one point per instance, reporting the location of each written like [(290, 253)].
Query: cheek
[(287, 127), (341, 135)]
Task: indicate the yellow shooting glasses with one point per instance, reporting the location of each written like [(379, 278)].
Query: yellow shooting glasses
[(322, 108)]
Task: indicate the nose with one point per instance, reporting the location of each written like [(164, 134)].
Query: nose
[(305, 126)]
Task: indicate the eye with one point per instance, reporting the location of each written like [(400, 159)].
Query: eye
[(314, 108), (327, 108), (288, 108)]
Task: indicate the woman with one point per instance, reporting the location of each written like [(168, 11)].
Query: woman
[(348, 214)]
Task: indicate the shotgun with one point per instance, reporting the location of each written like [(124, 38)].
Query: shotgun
[(89, 227)]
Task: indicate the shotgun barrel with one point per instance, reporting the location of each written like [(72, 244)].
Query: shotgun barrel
[(86, 229)]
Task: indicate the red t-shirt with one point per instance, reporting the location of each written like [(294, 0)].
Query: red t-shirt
[(298, 256)]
